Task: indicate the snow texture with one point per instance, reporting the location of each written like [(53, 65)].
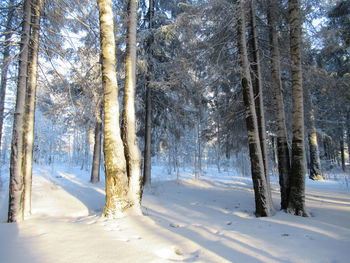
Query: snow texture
[(187, 220)]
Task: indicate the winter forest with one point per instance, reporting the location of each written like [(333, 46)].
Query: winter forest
[(174, 131)]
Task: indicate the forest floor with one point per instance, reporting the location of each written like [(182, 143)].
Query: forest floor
[(206, 220)]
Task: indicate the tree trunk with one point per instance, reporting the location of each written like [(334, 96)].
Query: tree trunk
[(342, 150), (147, 159), (296, 204), (262, 200), (282, 137), (348, 134), (198, 167), (5, 64), (29, 117), (218, 144), (257, 86), (274, 150), (117, 201), (132, 153), (147, 166), (96, 159), (315, 163), (16, 191), (258, 93)]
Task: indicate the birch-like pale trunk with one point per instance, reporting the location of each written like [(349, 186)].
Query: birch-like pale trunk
[(117, 201), (282, 137), (29, 117), (262, 200), (296, 204), (16, 186), (132, 153), (5, 63)]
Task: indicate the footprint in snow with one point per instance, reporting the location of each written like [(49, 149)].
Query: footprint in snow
[(175, 225), (171, 253)]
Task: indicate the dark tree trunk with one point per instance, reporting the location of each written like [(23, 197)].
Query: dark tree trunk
[(348, 134), (258, 93), (282, 138), (262, 200), (342, 151), (257, 85), (296, 204), (148, 137), (315, 163), (16, 191), (96, 159), (147, 158)]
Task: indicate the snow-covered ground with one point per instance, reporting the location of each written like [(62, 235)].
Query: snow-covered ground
[(209, 220)]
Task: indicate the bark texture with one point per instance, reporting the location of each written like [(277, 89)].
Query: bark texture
[(132, 153), (117, 201), (96, 159), (16, 187), (348, 133), (147, 159), (276, 84), (257, 83), (28, 135), (262, 200), (342, 150), (315, 163), (5, 64), (296, 204)]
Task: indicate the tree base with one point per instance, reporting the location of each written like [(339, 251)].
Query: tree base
[(117, 210), (316, 177), (297, 212)]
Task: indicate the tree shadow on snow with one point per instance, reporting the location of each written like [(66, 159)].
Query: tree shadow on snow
[(91, 195)]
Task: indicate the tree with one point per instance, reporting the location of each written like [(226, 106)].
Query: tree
[(132, 154), (262, 200), (147, 159), (296, 204), (16, 192), (28, 133), (276, 83), (5, 62), (96, 159), (117, 201), (315, 163), (257, 83)]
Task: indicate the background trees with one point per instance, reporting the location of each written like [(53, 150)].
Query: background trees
[(23, 124), (189, 84)]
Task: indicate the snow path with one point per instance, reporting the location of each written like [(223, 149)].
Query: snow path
[(187, 221)]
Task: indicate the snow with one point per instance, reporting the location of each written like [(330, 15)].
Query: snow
[(186, 220)]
